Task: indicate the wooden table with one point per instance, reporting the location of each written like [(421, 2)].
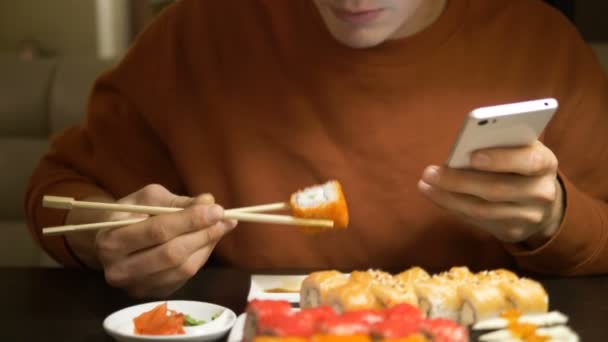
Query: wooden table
[(70, 305)]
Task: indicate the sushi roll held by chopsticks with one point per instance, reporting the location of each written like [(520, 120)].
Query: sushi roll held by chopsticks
[(325, 201), (314, 209)]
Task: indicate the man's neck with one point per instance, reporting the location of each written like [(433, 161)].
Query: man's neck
[(425, 16)]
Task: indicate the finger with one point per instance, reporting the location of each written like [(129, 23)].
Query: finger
[(156, 230), (158, 195), (532, 160), (493, 187), (481, 210), (166, 282), (147, 291), (184, 201), (170, 255)]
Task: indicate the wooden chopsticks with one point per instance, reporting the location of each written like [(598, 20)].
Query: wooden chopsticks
[(245, 214)]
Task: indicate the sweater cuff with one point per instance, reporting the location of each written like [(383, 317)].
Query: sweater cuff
[(57, 246), (574, 244)]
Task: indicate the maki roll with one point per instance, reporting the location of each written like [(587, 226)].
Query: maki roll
[(260, 311), (315, 286), (325, 201)]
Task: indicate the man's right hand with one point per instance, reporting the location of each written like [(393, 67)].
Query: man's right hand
[(155, 257)]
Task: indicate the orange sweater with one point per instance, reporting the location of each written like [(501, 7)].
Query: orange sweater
[(252, 100)]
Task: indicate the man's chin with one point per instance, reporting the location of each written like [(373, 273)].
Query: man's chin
[(359, 41)]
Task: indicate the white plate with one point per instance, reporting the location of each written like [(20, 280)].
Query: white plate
[(236, 334), (262, 283), (120, 326)]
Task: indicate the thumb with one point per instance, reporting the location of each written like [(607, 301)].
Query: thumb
[(184, 201)]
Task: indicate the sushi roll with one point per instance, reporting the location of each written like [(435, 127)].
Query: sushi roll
[(444, 330), (457, 274), (393, 294), (438, 298), (316, 285), (316, 315), (259, 311), (279, 339), (481, 301), (388, 290), (411, 338), (412, 275), (496, 276), (526, 295), (286, 326), (353, 295), (345, 326), (368, 317), (404, 312), (338, 338), (353, 323), (391, 329), (325, 201)]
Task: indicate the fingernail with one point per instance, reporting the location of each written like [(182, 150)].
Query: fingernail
[(231, 224), (424, 187), (431, 174), (207, 199), (481, 159), (215, 213)]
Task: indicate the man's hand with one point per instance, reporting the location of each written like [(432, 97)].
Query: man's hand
[(156, 257), (513, 193)]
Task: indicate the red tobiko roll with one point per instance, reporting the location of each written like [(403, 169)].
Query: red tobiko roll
[(345, 326), (444, 330), (394, 329), (258, 311), (404, 312), (317, 314), (263, 308), (367, 316), (286, 326)]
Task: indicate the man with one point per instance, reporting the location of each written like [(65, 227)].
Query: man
[(245, 102)]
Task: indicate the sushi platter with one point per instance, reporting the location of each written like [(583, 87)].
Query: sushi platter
[(372, 305)]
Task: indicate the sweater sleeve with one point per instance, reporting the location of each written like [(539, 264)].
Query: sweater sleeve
[(121, 144), (578, 135)]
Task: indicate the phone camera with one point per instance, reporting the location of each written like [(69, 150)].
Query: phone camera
[(482, 122), (546, 104)]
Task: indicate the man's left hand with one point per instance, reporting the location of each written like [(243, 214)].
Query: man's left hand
[(512, 193)]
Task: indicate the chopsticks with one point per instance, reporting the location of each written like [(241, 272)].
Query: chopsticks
[(245, 214)]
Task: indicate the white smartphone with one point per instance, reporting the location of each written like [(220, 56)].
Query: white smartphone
[(507, 125)]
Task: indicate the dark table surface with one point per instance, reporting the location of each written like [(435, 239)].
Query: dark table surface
[(70, 305)]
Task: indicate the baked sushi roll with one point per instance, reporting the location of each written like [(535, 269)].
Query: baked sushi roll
[(388, 290), (481, 301), (412, 275), (438, 299), (316, 285), (500, 275), (353, 295), (260, 311), (456, 275), (325, 201), (393, 294), (526, 295)]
